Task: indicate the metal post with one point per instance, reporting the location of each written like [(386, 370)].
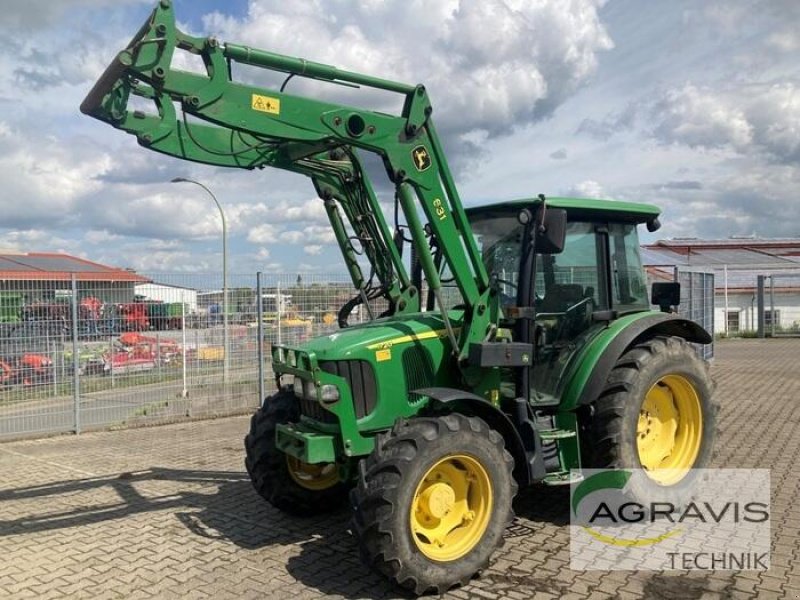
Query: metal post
[(225, 335), (760, 295), (279, 313), (772, 305), (53, 359), (158, 354), (260, 345), (184, 391), (726, 300), (61, 357), (111, 360), (76, 381), (225, 339)]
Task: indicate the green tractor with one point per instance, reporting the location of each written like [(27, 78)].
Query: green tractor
[(507, 345)]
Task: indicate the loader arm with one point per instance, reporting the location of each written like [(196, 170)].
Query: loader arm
[(209, 118)]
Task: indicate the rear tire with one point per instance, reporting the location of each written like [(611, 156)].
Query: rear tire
[(432, 501), (288, 484), (656, 412)]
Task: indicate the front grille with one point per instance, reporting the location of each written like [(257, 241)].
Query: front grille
[(361, 378), (312, 410), (417, 368)]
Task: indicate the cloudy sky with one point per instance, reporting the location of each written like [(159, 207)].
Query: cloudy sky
[(694, 106)]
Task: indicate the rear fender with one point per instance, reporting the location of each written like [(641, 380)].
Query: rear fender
[(595, 366), (476, 406)]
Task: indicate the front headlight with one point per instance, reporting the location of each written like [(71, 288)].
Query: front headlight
[(329, 393), (307, 389)]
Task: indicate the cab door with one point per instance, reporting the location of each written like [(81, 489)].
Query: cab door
[(570, 288)]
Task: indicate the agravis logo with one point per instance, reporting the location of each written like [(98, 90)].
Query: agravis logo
[(622, 515), (611, 480)]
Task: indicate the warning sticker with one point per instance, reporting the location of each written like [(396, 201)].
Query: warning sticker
[(266, 104), (382, 355)]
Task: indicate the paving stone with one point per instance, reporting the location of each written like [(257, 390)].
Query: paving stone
[(168, 512)]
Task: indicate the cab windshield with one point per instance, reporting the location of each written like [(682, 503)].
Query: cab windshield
[(577, 272)]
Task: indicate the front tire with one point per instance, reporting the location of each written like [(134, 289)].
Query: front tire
[(290, 485), (656, 413), (432, 501)]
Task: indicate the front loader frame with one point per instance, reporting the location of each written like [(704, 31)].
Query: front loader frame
[(224, 123)]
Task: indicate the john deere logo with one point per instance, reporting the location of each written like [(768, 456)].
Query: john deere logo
[(422, 160)]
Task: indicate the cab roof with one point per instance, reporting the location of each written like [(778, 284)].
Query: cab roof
[(581, 208)]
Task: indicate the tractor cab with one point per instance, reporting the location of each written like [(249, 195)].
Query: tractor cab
[(569, 296)]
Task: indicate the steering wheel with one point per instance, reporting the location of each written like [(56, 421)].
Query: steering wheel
[(506, 282), (505, 299), (572, 318), (576, 306)]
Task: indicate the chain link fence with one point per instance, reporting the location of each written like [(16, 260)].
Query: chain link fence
[(78, 355), (697, 304), (697, 297), (778, 305)]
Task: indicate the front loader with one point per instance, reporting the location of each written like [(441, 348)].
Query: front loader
[(508, 345)]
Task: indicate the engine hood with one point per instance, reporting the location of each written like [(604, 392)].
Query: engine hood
[(353, 342)]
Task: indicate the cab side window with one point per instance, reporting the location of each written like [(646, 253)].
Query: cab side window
[(628, 282)]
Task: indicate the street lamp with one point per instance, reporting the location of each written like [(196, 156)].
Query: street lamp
[(225, 340)]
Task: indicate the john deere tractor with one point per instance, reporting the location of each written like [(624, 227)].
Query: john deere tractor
[(506, 345)]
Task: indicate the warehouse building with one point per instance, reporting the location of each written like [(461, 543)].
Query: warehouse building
[(168, 293), (39, 281), (736, 264)]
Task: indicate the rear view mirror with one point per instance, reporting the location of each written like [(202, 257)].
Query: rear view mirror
[(551, 235), (666, 294)]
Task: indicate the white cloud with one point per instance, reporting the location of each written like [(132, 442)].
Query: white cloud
[(102, 236), (44, 176), (153, 212), (313, 234), (774, 112), (168, 262), (757, 199), (292, 237), (506, 76), (266, 233), (699, 118), (784, 41), (277, 211), (39, 240), (587, 189), (489, 65), (743, 118), (718, 147), (36, 14), (755, 118)]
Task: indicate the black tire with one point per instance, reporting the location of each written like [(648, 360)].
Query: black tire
[(388, 480), (268, 467), (613, 428)]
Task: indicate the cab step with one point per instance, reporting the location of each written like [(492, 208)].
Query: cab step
[(562, 478), (556, 434)]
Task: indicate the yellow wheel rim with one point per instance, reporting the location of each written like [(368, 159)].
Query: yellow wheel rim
[(451, 508), (670, 429), (312, 477)]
